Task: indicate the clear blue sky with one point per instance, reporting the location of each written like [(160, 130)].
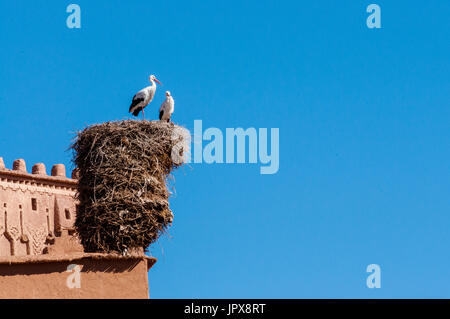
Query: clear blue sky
[(364, 133)]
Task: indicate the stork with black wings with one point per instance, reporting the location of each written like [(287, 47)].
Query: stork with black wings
[(167, 108), (143, 97)]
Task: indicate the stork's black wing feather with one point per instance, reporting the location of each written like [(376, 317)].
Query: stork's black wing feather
[(138, 98), (137, 110)]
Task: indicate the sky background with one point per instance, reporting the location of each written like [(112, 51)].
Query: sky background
[(363, 116)]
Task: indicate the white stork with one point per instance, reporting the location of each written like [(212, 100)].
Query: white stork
[(167, 108), (143, 97)]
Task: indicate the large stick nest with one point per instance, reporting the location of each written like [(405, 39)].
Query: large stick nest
[(122, 190)]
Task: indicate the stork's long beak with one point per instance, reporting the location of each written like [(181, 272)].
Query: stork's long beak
[(158, 81)]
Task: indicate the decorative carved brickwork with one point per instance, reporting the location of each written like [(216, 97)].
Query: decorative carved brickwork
[(35, 209)]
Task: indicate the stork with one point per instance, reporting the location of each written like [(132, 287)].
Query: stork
[(144, 97), (167, 108)]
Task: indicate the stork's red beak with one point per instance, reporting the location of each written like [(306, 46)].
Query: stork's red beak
[(158, 81)]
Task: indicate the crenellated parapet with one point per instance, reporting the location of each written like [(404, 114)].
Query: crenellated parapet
[(35, 208)]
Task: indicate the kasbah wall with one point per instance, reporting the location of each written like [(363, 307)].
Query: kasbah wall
[(40, 255)]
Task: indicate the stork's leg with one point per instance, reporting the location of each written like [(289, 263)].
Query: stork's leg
[(143, 114)]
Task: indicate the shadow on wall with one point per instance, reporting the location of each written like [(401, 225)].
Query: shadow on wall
[(87, 266)]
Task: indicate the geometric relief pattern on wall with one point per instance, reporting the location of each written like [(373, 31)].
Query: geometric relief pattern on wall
[(37, 236)]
